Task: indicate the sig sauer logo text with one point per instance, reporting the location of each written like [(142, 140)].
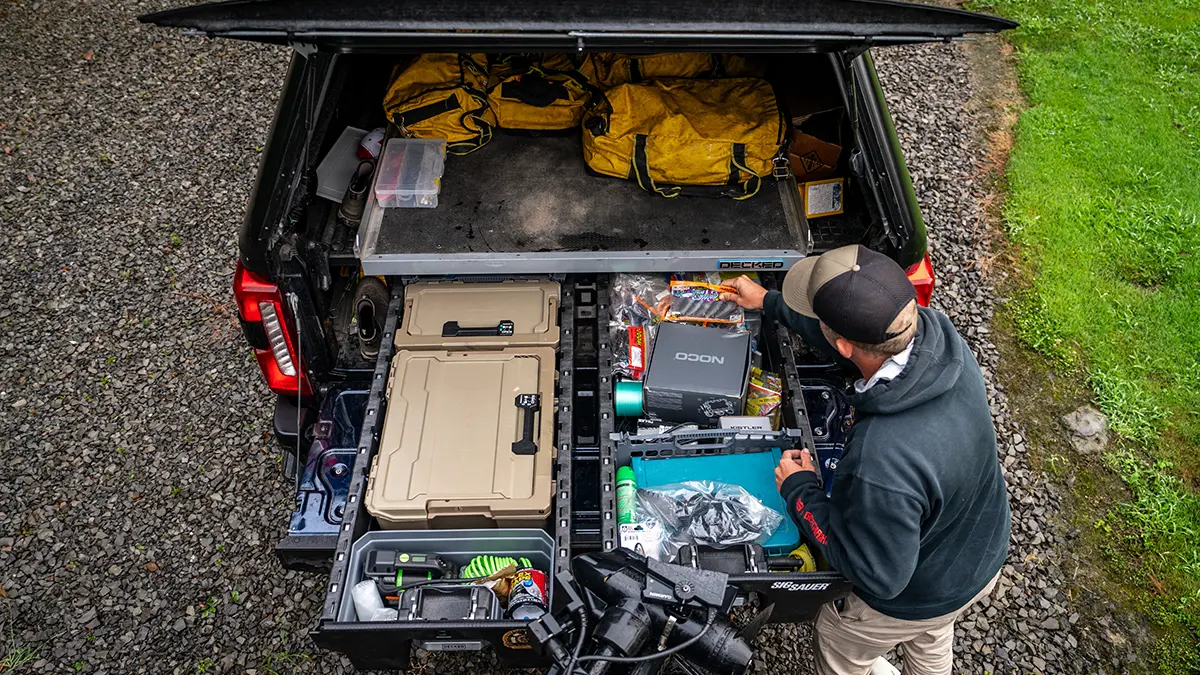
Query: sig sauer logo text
[(796, 586), (750, 264), (699, 358)]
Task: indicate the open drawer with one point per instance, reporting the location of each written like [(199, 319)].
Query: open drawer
[(386, 644), (795, 596)]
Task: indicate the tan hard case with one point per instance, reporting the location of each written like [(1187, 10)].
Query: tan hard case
[(445, 455)]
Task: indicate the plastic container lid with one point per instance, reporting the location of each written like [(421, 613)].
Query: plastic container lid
[(754, 471), (410, 173), (434, 311), (626, 473), (337, 168), (434, 471)]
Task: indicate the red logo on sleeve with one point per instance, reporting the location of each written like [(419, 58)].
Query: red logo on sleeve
[(816, 529), (799, 505)]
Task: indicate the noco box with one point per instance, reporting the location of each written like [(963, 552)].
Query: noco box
[(697, 374), (468, 437)]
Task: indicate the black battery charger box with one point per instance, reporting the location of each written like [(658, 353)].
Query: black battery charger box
[(697, 374)]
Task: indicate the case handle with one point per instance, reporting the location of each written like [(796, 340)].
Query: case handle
[(503, 329), (529, 404)]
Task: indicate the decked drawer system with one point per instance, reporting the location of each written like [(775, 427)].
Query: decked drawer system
[(491, 216), (428, 479)]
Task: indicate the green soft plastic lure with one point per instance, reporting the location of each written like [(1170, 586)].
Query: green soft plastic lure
[(487, 565)]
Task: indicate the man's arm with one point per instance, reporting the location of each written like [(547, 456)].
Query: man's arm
[(750, 295), (869, 533), (775, 308)]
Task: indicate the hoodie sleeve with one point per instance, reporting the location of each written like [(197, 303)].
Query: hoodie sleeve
[(775, 308), (806, 327), (869, 533)]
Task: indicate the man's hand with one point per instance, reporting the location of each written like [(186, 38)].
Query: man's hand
[(793, 461), (749, 295)]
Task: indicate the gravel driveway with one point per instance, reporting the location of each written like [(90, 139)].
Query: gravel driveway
[(141, 495)]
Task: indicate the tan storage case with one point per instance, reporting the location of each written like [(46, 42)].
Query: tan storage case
[(531, 307), (446, 455)]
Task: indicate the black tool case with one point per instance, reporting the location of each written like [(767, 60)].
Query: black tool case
[(584, 513)]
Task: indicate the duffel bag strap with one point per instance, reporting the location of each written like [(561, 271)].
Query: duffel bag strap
[(641, 170), (738, 189), (422, 113), (737, 164), (595, 94), (476, 115), (534, 89)]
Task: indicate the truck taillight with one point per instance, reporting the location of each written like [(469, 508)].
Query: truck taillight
[(276, 338), (921, 276), (260, 307)]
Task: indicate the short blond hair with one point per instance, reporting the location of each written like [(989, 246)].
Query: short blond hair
[(904, 327)]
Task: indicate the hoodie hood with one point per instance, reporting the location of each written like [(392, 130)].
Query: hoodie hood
[(934, 368)]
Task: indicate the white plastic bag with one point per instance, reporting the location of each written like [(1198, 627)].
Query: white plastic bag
[(368, 605)]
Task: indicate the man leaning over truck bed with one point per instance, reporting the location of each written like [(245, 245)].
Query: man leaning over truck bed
[(918, 519)]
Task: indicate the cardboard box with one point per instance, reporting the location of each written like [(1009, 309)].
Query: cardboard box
[(811, 158), (818, 99), (697, 374)]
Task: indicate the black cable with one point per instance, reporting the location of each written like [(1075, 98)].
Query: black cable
[(430, 582), (579, 640), (591, 607), (712, 617), (581, 637)]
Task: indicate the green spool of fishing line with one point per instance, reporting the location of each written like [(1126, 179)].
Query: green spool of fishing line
[(487, 565), (627, 398)]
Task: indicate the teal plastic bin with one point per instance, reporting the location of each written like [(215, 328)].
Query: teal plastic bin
[(754, 471)]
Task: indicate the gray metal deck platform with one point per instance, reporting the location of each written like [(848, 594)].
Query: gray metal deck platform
[(525, 204)]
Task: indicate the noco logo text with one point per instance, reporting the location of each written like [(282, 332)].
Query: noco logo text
[(699, 358), (750, 264), (796, 586)]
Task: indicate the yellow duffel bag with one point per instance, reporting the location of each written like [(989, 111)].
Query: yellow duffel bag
[(534, 92), (442, 96), (611, 70), (687, 137)]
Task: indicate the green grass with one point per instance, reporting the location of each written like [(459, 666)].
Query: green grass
[(280, 663), (16, 656), (1104, 204), (14, 653)]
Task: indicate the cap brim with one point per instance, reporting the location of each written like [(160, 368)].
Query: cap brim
[(796, 286)]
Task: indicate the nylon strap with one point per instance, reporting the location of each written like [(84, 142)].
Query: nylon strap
[(641, 170), (427, 111), (738, 159)]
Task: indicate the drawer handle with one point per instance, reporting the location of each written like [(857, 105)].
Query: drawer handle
[(503, 329), (529, 404)]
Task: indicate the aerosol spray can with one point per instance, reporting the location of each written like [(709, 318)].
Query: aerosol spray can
[(626, 495), (527, 599)]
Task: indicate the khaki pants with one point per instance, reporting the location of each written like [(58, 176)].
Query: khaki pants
[(847, 642)]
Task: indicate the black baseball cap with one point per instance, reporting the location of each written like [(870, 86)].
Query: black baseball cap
[(855, 291)]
